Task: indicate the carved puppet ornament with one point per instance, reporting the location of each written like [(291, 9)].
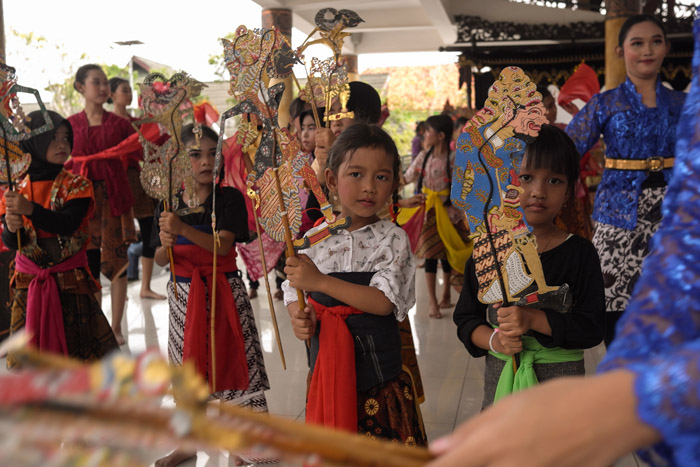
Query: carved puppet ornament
[(13, 162), (167, 168), (328, 79), (485, 185), (252, 58)]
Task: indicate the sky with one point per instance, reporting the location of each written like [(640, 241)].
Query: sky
[(179, 33)]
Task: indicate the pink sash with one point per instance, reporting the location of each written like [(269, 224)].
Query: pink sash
[(44, 320)]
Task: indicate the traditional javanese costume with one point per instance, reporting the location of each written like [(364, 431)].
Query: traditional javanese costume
[(440, 238), (659, 334), (7, 267), (53, 290), (574, 262), (250, 252), (144, 205), (239, 375), (112, 226), (640, 144), (358, 381)]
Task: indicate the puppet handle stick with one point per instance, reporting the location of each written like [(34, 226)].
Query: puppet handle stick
[(313, 100), (172, 260), (270, 303), (287, 231), (212, 308), (10, 185)]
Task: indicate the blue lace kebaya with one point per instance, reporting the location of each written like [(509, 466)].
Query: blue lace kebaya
[(630, 130), (658, 337)]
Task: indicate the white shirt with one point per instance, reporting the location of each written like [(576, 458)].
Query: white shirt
[(382, 248)]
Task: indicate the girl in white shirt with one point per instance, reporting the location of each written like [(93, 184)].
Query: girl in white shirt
[(360, 283)]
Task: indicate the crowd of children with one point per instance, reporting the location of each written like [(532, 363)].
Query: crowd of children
[(69, 224)]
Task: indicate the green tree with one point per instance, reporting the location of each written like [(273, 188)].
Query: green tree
[(217, 60), (65, 99)]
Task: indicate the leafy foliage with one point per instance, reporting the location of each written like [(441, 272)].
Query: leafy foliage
[(65, 99), (401, 125), (217, 60), (421, 87), (414, 93)]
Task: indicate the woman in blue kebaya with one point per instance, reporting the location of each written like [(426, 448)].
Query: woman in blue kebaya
[(647, 396), (638, 120)]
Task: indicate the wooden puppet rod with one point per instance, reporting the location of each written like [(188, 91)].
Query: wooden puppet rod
[(313, 100), (270, 302), (287, 230), (171, 258), (10, 185)]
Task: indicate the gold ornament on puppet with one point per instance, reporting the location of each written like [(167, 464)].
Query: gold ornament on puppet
[(65, 413), (13, 124), (328, 79), (167, 168), (486, 186)]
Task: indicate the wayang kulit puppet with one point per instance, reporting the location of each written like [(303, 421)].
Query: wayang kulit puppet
[(485, 185), (14, 162), (64, 412), (167, 167), (280, 167)]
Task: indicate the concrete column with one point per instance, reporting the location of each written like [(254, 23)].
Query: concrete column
[(281, 18), (351, 64), (617, 12)]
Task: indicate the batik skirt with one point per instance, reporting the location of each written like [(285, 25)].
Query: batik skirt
[(7, 268), (89, 336), (144, 205), (430, 244), (390, 411), (622, 251), (544, 372), (252, 398), (110, 234)]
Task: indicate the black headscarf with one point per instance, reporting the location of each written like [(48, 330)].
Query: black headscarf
[(41, 169)]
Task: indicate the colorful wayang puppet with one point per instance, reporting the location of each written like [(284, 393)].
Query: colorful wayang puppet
[(252, 58), (167, 167), (64, 413), (485, 185), (328, 79), (14, 162)]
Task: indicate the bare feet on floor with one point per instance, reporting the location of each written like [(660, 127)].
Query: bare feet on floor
[(435, 311), (151, 294), (252, 293), (446, 302), (279, 295), (176, 457)]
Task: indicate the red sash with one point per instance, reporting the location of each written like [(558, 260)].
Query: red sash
[(332, 397), (231, 364)]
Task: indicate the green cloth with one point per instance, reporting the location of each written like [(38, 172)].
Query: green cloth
[(533, 352)]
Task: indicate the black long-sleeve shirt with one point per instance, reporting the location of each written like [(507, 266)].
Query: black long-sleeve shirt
[(62, 222), (574, 262)]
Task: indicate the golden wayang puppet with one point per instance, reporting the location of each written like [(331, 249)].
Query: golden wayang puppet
[(63, 412), (14, 163), (486, 186), (167, 167)]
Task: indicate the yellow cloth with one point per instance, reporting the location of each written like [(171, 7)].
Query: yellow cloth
[(457, 251)]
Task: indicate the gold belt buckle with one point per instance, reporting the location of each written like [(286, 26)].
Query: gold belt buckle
[(655, 164)]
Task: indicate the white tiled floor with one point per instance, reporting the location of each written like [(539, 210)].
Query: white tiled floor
[(453, 380)]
